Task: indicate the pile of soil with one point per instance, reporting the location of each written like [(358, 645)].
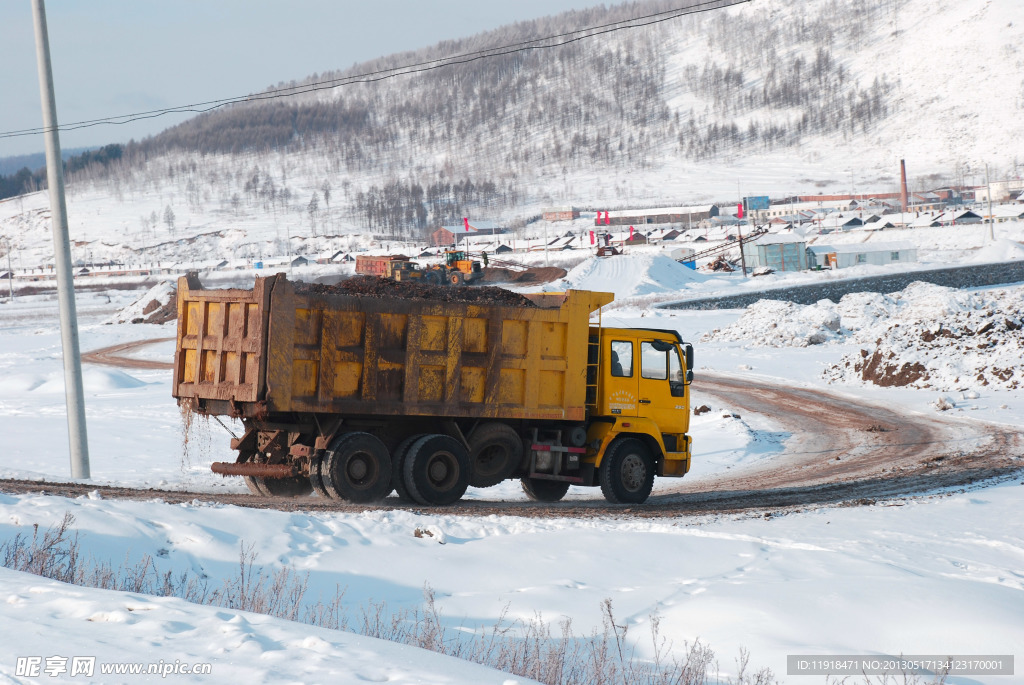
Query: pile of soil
[(157, 312), (374, 286), (539, 274)]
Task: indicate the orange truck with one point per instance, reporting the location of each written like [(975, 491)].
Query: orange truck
[(458, 269), (354, 397)]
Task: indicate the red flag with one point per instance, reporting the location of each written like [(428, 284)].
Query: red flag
[(630, 232), (607, 220), (591, 237), (739, 211), (465, 220)]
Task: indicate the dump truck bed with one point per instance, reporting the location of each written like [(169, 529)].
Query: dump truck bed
[(274, 350)]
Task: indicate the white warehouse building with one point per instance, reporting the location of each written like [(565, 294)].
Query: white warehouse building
[(843, 256)]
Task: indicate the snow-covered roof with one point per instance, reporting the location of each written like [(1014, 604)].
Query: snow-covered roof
[(780, 238), (1005, 211), (863, 248), (877, 225), (696, 209)]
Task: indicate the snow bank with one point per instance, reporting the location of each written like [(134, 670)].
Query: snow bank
[(632, 275), (773, 323), (236, 646), (1002, 250), (926, 335), (95, 380)]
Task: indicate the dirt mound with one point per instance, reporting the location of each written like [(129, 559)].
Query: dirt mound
[(157, 305), (539, 274), (159, 312), (373, 286)]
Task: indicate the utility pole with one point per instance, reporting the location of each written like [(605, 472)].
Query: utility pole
[(988, 186), (74, 390), (10, 271)]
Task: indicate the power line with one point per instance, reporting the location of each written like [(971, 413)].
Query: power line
[(544, 43)]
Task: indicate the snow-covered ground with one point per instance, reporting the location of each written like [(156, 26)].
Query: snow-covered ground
[(930, 575)]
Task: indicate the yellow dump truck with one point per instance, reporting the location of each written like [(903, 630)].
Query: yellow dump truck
[(354, 396)]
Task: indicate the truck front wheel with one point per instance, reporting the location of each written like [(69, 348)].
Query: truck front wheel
[(357, 468), (436, 470), (495, 451), (627, 472)]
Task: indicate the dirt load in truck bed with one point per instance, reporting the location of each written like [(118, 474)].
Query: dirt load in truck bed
[(374, 286)]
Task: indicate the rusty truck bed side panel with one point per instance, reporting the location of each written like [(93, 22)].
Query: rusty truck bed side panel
[(349, 355), (221, 348)]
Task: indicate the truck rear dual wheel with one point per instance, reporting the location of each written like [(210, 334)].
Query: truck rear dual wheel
[(398, 467), (296, 486), (627, 472), (495, 450), (357, 468), (315, 479), (436, 470)]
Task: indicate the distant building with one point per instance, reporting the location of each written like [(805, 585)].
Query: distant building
[(780, 252), (857, 254), (658, 215), (959, 218), (560, 214), (1008, 212), (452, 235), (1001, 190)]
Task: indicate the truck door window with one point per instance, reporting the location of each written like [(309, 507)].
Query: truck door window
[(653, 364), (622, 358), (676, 380)]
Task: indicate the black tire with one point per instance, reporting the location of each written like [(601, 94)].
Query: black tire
[(495, 450), (255, 486), (315, 480), (436, 470), (543, 490), (456, 278), (296, 486), (627, 472), (398, 467), (357, 468), (432, 278)]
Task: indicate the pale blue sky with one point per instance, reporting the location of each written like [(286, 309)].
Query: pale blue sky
[(114, 57)]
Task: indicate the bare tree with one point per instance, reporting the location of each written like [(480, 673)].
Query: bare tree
[(169, 218), (314, 209)]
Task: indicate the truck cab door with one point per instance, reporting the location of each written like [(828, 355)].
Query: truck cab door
[(662, 392), (620, 388)]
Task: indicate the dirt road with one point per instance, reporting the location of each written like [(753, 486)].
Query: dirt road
[(116, 355), (843, 451)]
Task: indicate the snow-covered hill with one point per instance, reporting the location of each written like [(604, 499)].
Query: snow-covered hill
[(764, 98)]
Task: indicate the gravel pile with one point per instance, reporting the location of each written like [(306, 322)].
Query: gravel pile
[(373, 286)]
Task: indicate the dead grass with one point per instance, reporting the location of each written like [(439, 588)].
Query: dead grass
[(537, 648)]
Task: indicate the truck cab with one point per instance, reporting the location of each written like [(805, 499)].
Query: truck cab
[(641, 397)]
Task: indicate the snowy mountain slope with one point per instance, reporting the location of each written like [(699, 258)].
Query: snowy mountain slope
[(768, 97)]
